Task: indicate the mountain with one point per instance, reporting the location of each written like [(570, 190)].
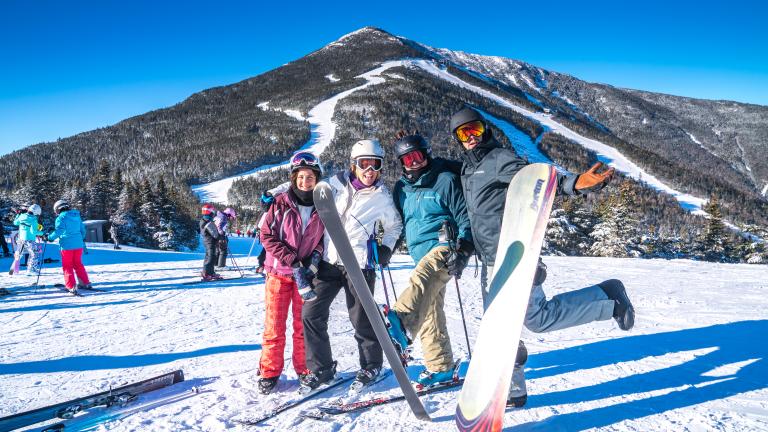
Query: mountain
[(695, 146)]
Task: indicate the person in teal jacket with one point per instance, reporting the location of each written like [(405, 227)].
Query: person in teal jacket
[(427, 196), (70, 231), (29, 231)]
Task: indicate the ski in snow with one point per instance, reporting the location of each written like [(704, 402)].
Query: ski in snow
[(255, 418), (67, 410), (528, 203), (326, 208), (58, 285)]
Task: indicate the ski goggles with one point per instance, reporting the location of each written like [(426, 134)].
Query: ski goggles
[(472, 129), (369, 163), (304, 159), (412, 158)]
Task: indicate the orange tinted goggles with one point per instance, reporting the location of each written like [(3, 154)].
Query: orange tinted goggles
[(471, 129)]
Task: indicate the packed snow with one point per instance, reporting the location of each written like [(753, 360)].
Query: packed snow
[(696, 359)]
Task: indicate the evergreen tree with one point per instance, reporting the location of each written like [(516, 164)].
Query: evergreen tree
[(617, 235), (126, 219), (148, 215), (168, 227), (715, 244), (101, 192)]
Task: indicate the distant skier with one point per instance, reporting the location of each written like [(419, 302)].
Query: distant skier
[(3, 243), (113, 234), (426, 195), (29, 231), (210, 236), (221, 221), (486, 173), (70, 231), (364, 203), (292, 234)]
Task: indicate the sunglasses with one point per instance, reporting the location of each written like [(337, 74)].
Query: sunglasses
[(372, 163), (472, 129), (304, 159), (412, 158)]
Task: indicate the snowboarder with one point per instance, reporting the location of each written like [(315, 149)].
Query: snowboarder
[(363, 202), (427, 195), (210, 235), (29, 231), (485, 174), (292, 234), (70, 231), (221, 221)]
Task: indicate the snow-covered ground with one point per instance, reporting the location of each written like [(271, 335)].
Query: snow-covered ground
[(695, 361)]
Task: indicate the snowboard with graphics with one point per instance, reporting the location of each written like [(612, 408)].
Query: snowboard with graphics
[(529, 201)]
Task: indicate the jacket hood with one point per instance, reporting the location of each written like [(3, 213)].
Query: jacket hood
[(475, 156)]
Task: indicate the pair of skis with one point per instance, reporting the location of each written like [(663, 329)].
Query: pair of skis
[(67, 410)]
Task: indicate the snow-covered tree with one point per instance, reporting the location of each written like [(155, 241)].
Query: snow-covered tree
[(715, 244), (101, 193), (616, 235), (126, 220)]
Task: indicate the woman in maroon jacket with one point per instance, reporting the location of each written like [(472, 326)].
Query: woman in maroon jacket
[(292, 235)]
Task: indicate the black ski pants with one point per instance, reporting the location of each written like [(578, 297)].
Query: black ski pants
[(210, 254), (330, 279)]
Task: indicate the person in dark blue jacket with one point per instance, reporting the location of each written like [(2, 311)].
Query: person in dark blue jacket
[(428, 195)]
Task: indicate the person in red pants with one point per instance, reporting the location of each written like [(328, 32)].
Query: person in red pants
[(292, 235), (70, 232)]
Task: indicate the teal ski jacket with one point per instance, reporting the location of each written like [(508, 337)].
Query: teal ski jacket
[(424, 204), (28, 226), (70, 230)]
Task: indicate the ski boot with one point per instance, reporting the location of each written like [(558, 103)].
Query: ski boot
[(266, 385), (311, 380), (428, 379), (84, 286), (518, 394), (365, 378), (623, 311), (396, 332)]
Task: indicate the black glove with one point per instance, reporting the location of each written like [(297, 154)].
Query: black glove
[(266, 200), (385, 254), (45, 237), (459, 257), (222, 244), (302, 277)]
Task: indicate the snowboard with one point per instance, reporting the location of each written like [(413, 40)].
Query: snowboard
[(528, 203), (326, 209)]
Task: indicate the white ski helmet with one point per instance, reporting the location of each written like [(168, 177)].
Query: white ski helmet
[(60, 206), (35, 209), (367, 147)]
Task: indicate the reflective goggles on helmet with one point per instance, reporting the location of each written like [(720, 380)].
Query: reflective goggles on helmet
[(472, 129), (365, 163), (304, 159), (412, 158)]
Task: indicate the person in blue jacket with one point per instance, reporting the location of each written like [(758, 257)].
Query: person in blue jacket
[(427, 196), (70, 231), (29, 231)]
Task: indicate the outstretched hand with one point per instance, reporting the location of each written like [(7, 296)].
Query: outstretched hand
[(593, 181)]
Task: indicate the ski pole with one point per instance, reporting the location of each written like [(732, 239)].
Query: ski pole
[(41, 260), (253, 243), (232, 257), (391, 282), (450, 235), (383, 281)]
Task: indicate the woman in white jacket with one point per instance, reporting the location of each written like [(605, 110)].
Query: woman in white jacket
[(364, 204)]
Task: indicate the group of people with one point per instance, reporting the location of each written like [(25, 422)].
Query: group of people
[(305, 274), (69, 230)]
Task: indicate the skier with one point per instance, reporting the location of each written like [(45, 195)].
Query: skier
[(113, 234), (292, 234), (210, 235), (70, 231), (29, 231), (221, 221), (363, 202), (486, 172), (3, 243), (427, 195)]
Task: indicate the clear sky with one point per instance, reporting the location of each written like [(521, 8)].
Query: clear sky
[(72, 66)]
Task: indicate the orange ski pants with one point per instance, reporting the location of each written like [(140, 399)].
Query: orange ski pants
[(281, 294)]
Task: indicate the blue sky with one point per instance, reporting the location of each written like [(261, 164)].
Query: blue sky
[(72, 66)]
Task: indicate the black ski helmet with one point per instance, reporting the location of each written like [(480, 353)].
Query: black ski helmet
[(466, 115), (410, 143)]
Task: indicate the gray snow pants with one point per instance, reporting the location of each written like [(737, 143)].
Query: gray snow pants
[(562, 311)]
